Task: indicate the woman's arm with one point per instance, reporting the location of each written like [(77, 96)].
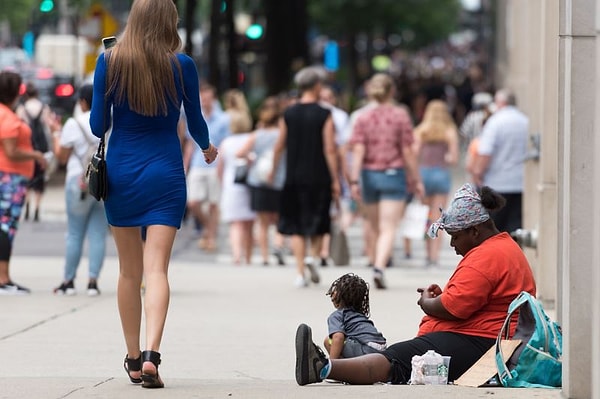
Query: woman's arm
[(451, 156), (16, 154), (358, 154), (331, 155), (247, 147), (191, 103), (100, 112), (278, 147), (431, 303), (413, 176)]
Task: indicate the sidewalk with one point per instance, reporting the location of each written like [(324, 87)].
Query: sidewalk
[(229, 333)]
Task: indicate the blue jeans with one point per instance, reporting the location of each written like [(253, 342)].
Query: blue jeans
[(84, 216)]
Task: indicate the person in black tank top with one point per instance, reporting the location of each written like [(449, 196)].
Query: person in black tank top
[(307, 136)]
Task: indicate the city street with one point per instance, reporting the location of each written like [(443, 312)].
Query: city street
[(229, 333)]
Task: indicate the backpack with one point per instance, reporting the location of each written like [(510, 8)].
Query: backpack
[(91, 150), (39, 141), (537, 361)]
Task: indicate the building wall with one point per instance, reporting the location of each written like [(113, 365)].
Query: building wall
[(530, 69), (595, 332), (547, 55)]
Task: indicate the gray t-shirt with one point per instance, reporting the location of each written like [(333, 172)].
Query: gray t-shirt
[(504, 139), (263, 146), (354, 325)]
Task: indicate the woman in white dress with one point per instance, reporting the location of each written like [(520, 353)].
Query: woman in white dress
[(235, 197)]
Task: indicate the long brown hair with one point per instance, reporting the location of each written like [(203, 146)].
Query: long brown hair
[(436, 122), (140, 66)]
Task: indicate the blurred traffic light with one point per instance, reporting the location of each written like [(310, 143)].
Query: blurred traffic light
[(46, 5), (254, 32)]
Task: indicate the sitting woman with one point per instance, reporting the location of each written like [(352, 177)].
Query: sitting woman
[(461, 321)]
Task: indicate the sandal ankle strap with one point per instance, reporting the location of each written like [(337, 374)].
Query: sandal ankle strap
[(134, 364), (151, 356)]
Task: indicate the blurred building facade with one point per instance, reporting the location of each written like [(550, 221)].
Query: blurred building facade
[(547, 52)]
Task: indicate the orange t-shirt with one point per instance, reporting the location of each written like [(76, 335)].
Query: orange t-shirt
[(484, 283), (12, 127)]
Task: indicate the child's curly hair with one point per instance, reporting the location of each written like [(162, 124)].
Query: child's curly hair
[(350, 291)]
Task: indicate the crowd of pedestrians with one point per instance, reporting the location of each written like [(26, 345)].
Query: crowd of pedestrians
[(366, 165), (311, 162)]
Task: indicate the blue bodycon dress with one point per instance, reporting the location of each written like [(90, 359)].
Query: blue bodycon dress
[(146, 179)]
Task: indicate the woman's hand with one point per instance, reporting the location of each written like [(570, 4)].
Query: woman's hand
[(39, 157), (433, 291), (54, 123), (418, 189), (335, 189), (210, 154), (355, 191)]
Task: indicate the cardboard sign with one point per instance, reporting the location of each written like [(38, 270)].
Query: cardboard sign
[(485, 368)]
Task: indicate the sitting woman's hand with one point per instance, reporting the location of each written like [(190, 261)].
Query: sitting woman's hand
[(433, 291)]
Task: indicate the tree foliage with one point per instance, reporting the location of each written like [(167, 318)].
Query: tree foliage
[(17, 13), (427, 20)]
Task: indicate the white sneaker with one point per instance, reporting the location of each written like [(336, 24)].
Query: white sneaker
[(300, 282), (11, 288)]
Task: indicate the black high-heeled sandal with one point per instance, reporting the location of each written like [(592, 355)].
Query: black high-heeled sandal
[(151, 380), (133, 365)]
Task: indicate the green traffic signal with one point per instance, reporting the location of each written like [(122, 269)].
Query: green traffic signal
[(254, 31), (47, 5)]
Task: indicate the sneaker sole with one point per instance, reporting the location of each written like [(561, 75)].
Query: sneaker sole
[(13, 293), (314, 275), (379, 282), (303, 337)]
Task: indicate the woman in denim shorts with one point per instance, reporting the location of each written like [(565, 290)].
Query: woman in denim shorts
[(436, 141), (385, 165)]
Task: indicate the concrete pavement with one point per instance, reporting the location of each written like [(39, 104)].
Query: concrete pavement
[(229, 333)]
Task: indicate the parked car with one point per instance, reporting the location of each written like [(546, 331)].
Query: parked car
[(13, 58), (56, 90)]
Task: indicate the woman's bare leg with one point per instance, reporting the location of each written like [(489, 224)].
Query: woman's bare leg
[(371, 219), (264, 220), (248, 240), (157, 253), (435, 202), (299, 250), (130, 250), (235, 240), (390, 213)]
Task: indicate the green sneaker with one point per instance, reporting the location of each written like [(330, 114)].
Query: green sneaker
[(310, 359)]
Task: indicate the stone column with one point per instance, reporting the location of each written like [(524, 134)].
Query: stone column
[(576, 182), (596, 225), (530, 68), (546, 184)]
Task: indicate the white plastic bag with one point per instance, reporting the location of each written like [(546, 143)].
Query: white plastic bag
[(429, 369), (414, 222), (264, 166)]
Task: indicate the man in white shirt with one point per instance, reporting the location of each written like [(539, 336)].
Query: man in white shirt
[(501, 155)]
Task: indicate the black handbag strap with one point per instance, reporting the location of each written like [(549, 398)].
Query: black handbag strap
[(102, 145)]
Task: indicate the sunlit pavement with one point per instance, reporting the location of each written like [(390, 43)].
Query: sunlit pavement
[(229, 333)]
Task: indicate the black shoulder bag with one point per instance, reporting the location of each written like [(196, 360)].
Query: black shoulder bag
[(96, 170), (96, 173)]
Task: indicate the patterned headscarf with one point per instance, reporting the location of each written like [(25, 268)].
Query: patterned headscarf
[(465, 211)]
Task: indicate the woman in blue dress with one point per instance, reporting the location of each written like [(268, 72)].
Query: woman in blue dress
[(145, 81)]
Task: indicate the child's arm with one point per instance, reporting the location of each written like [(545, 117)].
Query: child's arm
[(337, 345)]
